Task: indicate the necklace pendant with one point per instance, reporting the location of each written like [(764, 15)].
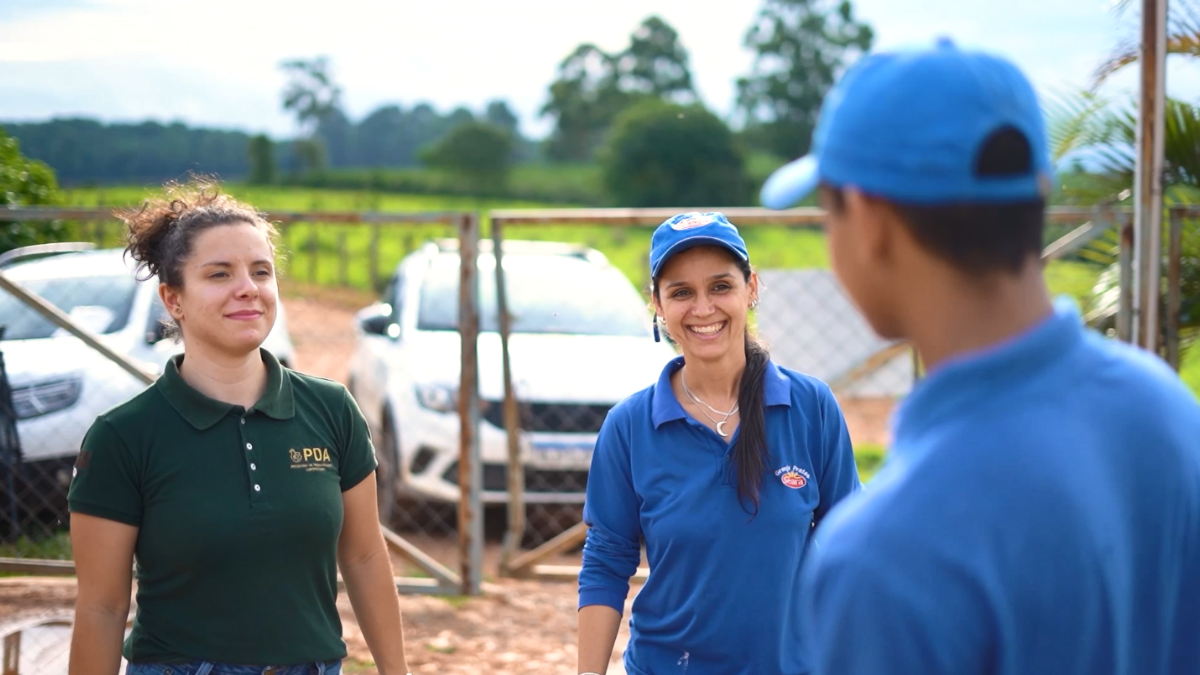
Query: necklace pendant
[(721, 430)]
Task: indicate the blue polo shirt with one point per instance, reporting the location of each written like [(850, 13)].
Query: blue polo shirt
[(723, 587), (1039, 514)]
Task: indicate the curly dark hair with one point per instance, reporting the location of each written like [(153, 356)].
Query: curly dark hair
[(162, 230)]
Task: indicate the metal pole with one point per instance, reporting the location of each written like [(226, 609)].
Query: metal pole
[(470, 474), (1148, 174), (1174, 292), (512, 414), (1125, 284)]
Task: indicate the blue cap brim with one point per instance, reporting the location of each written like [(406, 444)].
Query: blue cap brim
[(790, 183), (685, 244)]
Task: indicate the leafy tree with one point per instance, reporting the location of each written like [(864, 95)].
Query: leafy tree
[(1183, 38), (312, 96), (310, 92), (1105, 131), (479, 152), (802, 47), (593, 87), (499, 114), (262, 160), (25, 182), (666, 154), (656, 63)]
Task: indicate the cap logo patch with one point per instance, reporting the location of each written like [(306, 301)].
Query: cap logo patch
[(691, 223)]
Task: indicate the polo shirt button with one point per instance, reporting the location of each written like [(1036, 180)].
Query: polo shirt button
[(252, 467), (249, 447), (257, 488), (243, 420)]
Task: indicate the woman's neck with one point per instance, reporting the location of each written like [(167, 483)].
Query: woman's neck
[(716, 382), (239, 380)]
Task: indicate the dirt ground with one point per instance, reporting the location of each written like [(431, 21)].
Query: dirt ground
[(519, 627)]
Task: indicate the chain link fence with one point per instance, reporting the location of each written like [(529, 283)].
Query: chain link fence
[(80, 334), (485, 368), (557, 394)]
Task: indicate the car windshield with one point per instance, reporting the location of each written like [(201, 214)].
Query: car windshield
[(546, 294), (101, 303)]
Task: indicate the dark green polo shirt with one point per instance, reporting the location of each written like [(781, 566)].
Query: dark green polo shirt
[(239, 513)]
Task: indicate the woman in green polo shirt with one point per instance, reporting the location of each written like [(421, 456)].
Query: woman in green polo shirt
[(240, 487)]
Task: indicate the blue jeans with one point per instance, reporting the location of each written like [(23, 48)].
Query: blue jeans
[(207, 668)]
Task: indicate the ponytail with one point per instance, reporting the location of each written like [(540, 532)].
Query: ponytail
[(750, 451)]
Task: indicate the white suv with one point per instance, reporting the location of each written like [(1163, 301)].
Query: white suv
[(581, 341), (59, 383)]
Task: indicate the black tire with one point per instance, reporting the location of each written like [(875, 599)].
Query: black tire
[(388, 471)]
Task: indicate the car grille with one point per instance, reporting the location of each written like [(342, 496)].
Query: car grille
[(552, 417)]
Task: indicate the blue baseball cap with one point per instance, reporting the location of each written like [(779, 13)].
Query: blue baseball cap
[(908, 125), (683, 231)]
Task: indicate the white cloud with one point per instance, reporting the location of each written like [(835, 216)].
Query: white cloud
[(216, 63)]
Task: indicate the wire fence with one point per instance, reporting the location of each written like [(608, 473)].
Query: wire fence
[(551, 415), (485, 353), (81, 334)]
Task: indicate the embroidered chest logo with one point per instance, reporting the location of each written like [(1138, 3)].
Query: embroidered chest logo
[(310, 459), (793, 476)]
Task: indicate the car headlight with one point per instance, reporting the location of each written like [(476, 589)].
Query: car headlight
[(437, 397), (44, 398)]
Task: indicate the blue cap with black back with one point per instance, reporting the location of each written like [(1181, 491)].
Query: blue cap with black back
[(909, 126)]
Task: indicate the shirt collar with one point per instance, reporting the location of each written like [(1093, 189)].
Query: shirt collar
[(665, 407), (203, 412), (972, 381)]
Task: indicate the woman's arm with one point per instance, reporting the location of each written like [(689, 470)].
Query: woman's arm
[(103, 551), (598, 626), (367, 571), (613, 548)]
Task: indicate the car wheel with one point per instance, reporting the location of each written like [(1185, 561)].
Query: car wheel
[(388, 470)]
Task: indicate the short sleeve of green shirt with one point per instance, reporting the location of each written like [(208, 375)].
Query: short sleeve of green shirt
[(358, 458), (105, 482)]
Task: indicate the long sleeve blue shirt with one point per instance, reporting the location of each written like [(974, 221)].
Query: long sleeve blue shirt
[(723, 588), (1039, 514)]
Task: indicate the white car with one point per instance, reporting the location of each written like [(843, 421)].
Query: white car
[(580, 342), (59, 383)]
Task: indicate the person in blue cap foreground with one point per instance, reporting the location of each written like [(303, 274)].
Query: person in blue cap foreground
[(1039, 511), (722, 467)]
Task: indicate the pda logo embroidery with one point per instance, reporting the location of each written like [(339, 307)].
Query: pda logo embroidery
[(310, 459), (793, 476)]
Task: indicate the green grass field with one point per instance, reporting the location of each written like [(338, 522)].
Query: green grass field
[(336, 254)]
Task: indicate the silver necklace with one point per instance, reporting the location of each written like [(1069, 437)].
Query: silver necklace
[(696, 399)]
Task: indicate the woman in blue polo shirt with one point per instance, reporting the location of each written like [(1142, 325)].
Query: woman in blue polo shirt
[(239, 487), (723, 467)]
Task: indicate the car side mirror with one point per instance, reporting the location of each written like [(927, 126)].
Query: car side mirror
[(377, 320)]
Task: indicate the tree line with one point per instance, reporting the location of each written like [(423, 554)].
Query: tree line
[(800, 45)]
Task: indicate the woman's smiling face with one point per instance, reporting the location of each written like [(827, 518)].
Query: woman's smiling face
[(704, 297)]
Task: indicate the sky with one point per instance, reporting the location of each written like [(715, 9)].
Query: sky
[(216, 63)]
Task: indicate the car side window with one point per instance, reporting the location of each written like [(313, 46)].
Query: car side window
[(395, 296)]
